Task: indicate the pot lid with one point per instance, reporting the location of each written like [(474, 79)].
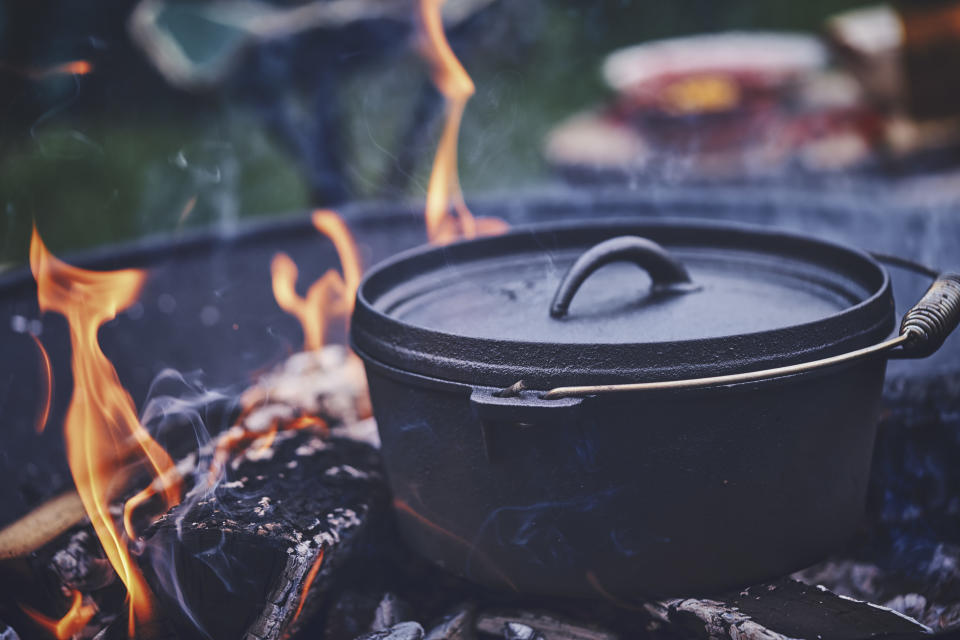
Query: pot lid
[(610, 300)]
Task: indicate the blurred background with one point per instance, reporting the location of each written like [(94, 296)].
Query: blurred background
[(122, 119)]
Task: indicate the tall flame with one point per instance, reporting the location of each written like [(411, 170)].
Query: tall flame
[(456, 86), (101, 419), (329, 297)]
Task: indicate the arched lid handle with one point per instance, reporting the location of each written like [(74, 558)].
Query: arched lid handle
[(667, 273)]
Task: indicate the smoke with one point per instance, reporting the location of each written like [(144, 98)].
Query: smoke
[(182, 411)]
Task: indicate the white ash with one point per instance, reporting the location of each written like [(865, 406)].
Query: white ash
[(258, 453), (343, 518), (346, 469), (261, 419), (329, 382), (263, 506), (311, 447), (361, 431)]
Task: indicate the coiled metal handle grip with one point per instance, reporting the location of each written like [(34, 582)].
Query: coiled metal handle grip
[(932, 318)]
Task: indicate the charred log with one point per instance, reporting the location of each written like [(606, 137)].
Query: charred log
[(781, 610), (254, 557)]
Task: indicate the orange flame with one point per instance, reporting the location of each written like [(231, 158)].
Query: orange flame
[(101, 417), (47, 383), (444, 189), (73, 67), (330, 296), (70, 624)]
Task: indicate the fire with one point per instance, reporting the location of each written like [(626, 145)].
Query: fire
[(329, 297), (70, 624), (47, 383), (75, 67), (444, 189), (72, 68), (101, 418), (307, 583)]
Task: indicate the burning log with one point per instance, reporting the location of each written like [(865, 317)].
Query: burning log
[(252, 557)]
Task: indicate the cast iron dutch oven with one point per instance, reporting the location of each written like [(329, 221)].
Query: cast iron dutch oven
[(703, 422)]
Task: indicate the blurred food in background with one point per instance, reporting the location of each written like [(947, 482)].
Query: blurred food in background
[(874, 96)]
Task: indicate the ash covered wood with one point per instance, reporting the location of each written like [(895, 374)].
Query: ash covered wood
[(523, 625), (781, 610), (399, 631), (237, 563), (457, 625)]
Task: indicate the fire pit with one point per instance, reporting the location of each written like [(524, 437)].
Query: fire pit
[(208, 304)]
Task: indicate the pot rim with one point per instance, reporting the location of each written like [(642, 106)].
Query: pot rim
[(542, 365)]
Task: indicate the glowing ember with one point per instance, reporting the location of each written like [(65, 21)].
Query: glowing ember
[(101, 418), (47, 384), (329, 297), (70, 624), (456, 86), (307, 583), (73, 67)]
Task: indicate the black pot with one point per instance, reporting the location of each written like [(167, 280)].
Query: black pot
[(710, 429)]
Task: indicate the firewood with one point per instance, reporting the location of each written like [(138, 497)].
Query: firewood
[(253, 558), (401, 631), (515, 625), (781, 610), (458, 625), (41, 526)]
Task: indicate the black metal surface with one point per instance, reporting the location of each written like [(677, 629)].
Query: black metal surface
[(476, 312), (229, 272), (663, 493), (667, 275)]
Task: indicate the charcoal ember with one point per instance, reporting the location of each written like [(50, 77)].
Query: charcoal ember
[(513, 625), (781, 610), (519, 631), (457, 625), (391, 611), (235, 563), (401, 631), (82, 565)]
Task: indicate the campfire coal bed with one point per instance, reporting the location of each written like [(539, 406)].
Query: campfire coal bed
[(299, 537)]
